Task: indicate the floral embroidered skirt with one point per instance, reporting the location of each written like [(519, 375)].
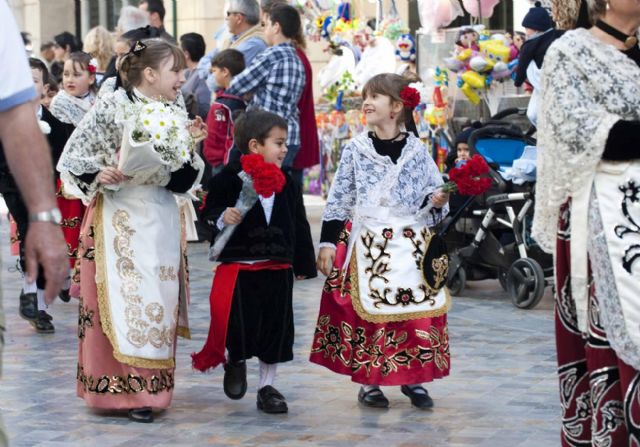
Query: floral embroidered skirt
[(102, 381), (394, 353), (599, 393), (72, 211)]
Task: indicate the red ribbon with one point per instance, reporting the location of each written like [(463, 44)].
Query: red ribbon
[(224, 282)]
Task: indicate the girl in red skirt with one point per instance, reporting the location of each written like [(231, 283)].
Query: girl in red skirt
[(379, 321)]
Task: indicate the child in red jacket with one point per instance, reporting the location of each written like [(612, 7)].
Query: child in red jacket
[(219, 142)]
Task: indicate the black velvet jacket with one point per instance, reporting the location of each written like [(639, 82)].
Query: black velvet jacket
[(287, 238), (57, 138)]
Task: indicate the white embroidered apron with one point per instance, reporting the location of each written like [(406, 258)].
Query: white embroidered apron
[(617, 187), (386, 252), (138, 272)]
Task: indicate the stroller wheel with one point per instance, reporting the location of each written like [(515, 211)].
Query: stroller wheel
[(457, 281), (525, 283)]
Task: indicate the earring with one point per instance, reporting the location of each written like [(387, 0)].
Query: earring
[(393, 115)]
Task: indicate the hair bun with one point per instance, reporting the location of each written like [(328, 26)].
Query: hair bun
[(538, 4)]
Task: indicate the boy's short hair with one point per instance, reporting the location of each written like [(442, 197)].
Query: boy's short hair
[(194, 44), (232, 60), (288, 18), (37, 64), (47, 46), (255, 125)]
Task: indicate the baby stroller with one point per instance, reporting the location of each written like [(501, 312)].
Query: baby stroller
[(488, 236)]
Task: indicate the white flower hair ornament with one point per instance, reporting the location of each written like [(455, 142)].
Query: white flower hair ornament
[(422, 89), (93, 65)]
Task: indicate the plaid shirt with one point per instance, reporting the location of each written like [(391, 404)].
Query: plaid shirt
[(276, 79)]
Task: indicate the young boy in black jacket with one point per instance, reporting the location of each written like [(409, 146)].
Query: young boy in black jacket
[(251, 296), (32, 305)]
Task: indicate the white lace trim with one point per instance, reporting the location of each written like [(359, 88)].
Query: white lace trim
[(69, 109), (587, 86), (365, 179)]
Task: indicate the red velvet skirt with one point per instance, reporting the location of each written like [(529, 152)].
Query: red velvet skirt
[(395, 353)]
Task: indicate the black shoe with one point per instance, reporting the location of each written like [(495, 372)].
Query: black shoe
[(271, 401), (373, 398), (419, 396), (143, 415), (28, 306), (235, 380), (43, 323), (64, 295)]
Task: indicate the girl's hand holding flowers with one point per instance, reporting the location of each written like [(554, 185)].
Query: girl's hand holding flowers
[(111, 176)]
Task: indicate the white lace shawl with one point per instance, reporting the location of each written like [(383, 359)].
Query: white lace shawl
[(69, 109), (94, 145), (587, 86), (366, 179)]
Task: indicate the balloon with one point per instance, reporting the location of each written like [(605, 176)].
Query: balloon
[(471, 94), (436, 14), (453, 64), (495, 50), (380, 57), (475, 80), (485, 10), (465, 54), (480, 64), (501, 71)]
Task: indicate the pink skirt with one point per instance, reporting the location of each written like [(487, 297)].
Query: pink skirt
[(102, 381), (395, 353)]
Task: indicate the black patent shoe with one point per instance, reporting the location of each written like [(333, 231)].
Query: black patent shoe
[(373, 398), (64, 295), (235, 380), (271, 401), (419, 396), (143, 415), (28, 306), (43, 323)]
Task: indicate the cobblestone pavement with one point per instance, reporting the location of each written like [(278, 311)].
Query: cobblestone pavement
[(502, 391)]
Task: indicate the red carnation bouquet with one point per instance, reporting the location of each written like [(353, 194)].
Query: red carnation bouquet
[(259, 178), (468, 179), (267, 178)]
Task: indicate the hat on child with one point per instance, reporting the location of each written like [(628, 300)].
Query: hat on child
[(463, 136), (538, 18)]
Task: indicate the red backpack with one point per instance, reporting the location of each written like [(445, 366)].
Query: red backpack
[(220, 127)]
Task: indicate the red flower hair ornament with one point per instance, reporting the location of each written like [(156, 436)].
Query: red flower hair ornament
[(410, 97), (267, 178)]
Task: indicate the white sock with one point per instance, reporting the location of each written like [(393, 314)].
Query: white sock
[(41, 304), (417, 388), (67, 281), (29, 287), (368, 388), (267, 374)]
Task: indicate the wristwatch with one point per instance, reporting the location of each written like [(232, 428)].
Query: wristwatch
[(53, 215)]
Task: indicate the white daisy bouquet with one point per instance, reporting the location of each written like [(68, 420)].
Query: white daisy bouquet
[(155, 134)]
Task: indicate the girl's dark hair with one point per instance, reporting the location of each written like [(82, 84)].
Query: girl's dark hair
[(154, 53), (231, 59), (68, 41), (391, 84), (268, 5), (288, 18), (37, 64), (82, 59), (255, 125)]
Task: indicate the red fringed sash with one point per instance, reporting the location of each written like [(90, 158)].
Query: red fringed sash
[(224, 282)]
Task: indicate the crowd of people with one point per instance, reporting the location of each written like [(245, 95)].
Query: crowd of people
[(250, 129)]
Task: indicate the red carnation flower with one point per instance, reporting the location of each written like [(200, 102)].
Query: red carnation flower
[(410, 97), (267, 177), (467, 179)]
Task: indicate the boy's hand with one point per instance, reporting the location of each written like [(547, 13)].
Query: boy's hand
[(231, 216), (326, 257), (300, 277), (440, 199), (198, 130)]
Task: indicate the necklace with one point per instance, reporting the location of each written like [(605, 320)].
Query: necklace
[(390, 139), (629, 41)]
